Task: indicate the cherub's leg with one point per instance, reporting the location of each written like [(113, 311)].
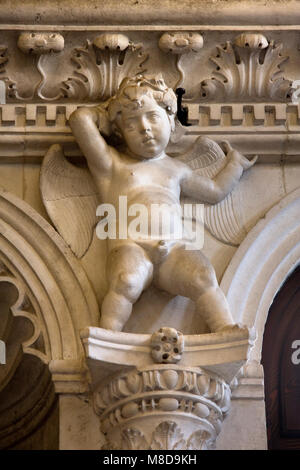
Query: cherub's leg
[(190, 274), (129, 271)]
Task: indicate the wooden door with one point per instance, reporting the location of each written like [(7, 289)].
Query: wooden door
[(281, 362)]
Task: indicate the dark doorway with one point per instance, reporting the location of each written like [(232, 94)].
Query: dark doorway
[(281, 362)]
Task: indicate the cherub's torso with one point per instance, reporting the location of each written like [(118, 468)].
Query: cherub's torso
[(149, 181)]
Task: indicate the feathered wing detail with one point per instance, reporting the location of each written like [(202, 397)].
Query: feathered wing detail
[(205, 157), (223, 220), (71, 198)]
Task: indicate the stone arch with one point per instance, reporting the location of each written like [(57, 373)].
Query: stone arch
[(268, 254), (54, 293)]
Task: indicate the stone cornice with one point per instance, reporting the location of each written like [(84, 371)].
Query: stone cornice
[(156, 12), (28, 130)]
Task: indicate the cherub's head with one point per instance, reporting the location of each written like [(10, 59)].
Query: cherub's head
[(142, 112)]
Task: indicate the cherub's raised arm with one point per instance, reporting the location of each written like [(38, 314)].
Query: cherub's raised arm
[(84, 123), (214, 190)]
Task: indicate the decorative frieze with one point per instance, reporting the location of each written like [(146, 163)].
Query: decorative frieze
[(248, 67)]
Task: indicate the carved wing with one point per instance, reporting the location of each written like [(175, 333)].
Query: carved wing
[(70, 198), (223, 220)]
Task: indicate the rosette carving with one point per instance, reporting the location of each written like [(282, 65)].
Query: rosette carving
[(167, 345)]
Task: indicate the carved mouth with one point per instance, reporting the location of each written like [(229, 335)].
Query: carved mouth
[(148, 140)]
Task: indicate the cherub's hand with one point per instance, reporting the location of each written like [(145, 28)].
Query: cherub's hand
[(237, 157), (103, 122)]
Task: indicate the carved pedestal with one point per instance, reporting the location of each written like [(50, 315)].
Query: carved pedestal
[(176, 404)]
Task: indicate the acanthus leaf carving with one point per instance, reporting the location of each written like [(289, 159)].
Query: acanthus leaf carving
[(9, 84), (200, 440), (133, 439), (247, 69), (3, 58), (168, 436), (101, 65)]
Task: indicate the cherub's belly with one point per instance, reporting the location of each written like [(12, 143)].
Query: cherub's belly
[(152, 195), (151, 214)]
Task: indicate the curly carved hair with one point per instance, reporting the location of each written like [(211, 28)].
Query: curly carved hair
[(131, 90)]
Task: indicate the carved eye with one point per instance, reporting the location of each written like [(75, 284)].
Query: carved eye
[(154, 117)]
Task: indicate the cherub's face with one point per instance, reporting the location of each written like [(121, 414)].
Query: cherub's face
[(146, 128)]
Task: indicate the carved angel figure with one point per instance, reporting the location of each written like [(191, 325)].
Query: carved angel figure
[(142, 115)]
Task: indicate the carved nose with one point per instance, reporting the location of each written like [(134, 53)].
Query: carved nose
[(144, 124)]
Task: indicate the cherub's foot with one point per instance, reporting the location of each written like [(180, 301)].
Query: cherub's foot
[(231, 327), (237, 327), (111, 324)]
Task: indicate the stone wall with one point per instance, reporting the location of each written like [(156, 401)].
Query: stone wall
[(238, 63)]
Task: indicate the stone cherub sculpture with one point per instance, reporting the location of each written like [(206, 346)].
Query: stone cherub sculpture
[(141, 114)]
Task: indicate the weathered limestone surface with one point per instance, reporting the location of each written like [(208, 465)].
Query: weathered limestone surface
[(238, 62)]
